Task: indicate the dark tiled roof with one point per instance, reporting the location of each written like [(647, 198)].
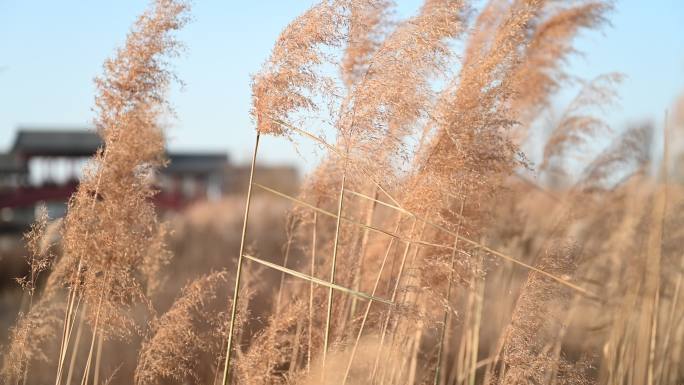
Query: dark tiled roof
[(56, 142), (196, 163), (39, 142), (9, 164)]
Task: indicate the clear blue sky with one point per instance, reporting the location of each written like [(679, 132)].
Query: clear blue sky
[(51, 50)]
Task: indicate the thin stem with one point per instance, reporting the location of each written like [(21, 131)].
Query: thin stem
[(448, 298), (317, 281), (393, 298), (655, 251), (311, 290), (415, 351), (238, 274), (479, 301), (407, 297), (552, 377), (288, 245), (72, 310), (68, 318), (326, 340), (362, 252), (96, 326), (475, 244), (64, 343), (338, 152), (368, 307), (671, 317), (653, 337), (98, 359), (74, 352), (471, 242), (328, 213), (86, 371), (295, 350)]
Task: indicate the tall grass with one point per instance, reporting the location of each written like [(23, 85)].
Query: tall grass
[(418, 251)]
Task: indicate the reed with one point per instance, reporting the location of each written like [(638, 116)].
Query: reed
[(238, 274), (423, 248)]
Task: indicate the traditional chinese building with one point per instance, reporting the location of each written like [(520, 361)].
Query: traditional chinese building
[(44, 166)]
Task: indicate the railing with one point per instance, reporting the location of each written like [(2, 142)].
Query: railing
[(29, 196)]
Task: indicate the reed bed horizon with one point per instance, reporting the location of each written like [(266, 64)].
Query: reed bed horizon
[(426, 247)]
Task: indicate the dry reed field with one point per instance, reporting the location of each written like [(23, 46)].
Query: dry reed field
[(424, 248)]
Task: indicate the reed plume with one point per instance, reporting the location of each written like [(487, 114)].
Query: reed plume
[(581, 121), (394, 93), (631, 151), (541, 75), (185, 335), (275, 349), (38, 324), (537, 323), (39, 241), (110, 218), (289, 81), (470, 143), (368, 25), (30, 340)]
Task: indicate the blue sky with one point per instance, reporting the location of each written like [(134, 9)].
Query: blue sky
[(51, 50)]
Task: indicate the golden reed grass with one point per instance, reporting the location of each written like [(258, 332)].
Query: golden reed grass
[(416, 252)]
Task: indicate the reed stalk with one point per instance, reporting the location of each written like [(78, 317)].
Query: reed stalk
[(475, 244), (288, 245), (98, 359), (671, 319), (665, 176), (72, 308), (295, 350), (476, 329), (64, 343), (326, 340), (552, 378), (440, 343), (317, 281), (96, 326), (655, 243), (73, 290), (311, 290), (393, 298), (471, 242), (370, 211), (376, 284), (74, 352), (469, 341), (415, 351), (238, 273)]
